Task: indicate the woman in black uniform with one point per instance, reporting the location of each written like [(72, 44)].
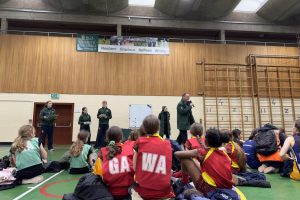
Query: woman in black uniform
[(164, 117), (85, 121)]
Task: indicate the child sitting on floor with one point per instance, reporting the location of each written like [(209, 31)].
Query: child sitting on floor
[(235, 152), (292, 143), (196, 141), (27, 155), (215, 169), (268, 142), (80, 153), (117, 164), (153, 162), (133, 136), (249, 149), (237, 138)]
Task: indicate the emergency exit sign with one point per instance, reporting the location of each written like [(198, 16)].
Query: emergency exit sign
[(54, 96)]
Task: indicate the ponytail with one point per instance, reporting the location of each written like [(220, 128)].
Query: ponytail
[(77, 147), (25, 134), (197, 131), (19, 145), (113, 150)]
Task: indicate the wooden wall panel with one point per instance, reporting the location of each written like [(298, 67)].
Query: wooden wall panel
[(39, 64)]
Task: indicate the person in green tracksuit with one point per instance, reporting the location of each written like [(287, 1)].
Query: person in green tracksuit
[(84, 121), (184, 117), (104, 115), (47, 120)]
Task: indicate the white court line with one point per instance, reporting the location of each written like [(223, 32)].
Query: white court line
[(33, 188)]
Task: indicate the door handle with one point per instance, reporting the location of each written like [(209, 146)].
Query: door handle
[(58, 126)]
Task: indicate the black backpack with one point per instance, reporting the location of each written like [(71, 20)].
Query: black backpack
[(52, 167), (4, 162), (266, 142), (90, 187)]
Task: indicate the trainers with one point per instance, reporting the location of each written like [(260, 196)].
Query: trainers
[(51, 150)]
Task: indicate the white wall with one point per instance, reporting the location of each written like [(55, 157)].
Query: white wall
[(16, 109)]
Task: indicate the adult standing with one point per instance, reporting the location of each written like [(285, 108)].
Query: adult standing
[(84, 121), (164, 117), (104, 115), (47, 120), (184, 117)]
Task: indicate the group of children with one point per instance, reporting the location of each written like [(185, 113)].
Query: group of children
[(143, 164), (284, 159)]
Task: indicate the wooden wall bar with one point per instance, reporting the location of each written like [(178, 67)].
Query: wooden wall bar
[(39, 64)]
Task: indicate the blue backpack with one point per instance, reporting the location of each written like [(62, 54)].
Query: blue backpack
[(223, 194)]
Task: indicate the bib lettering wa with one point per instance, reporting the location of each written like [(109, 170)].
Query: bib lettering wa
[(154, 163)]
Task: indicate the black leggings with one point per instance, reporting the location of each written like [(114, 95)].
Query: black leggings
[(47, 131), (30, 172), (83, 170), (166, 132), (182, 137), (100, 140)]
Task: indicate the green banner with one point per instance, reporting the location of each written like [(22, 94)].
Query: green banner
[(134, 45), (87, 42)]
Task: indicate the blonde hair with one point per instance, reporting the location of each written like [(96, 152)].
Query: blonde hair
[(77, 147), (20, 143)]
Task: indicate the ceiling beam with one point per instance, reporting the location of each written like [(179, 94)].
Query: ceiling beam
[(277, 11), (196, 9), (152, 22)]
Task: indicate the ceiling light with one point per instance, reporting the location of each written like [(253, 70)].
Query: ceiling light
[(149, 3), (251, 6)]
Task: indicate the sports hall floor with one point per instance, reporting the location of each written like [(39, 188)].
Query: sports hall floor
[(55, 185)]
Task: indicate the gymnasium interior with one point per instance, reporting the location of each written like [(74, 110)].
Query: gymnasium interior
[(239, 60)]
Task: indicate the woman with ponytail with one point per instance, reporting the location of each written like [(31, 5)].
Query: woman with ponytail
[(81, 154), (292, 144), (27, 155), (116, 163)]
